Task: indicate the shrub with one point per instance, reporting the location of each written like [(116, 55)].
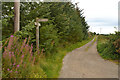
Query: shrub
[(48, 38), (117, 45), (106, 48), (109, 52), (101, 47)]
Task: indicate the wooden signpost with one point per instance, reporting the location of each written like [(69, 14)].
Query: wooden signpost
[(37, 30)]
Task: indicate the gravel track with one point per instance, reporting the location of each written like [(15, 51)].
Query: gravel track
[(82, 63)]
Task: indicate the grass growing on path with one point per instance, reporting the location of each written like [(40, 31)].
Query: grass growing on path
[(77, 45), (91, 43), (53, 64)]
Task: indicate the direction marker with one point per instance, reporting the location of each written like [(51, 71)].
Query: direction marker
[(37, 31)]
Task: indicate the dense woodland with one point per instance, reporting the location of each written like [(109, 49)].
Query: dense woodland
[(66, 23), (66, 26)]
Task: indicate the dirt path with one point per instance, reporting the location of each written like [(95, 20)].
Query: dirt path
[(87, 64)]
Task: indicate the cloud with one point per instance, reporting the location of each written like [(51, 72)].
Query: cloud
[(103, 22), (100, 13)]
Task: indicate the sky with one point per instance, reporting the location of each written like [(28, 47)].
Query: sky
[(101, 15)]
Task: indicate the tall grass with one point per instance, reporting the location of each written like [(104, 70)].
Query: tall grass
[(19, 61), (106, 48), (54, 62)]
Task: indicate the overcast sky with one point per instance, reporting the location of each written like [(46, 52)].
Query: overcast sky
[(100, 14)]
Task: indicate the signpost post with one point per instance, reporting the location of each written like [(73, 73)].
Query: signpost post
[(37, 31)]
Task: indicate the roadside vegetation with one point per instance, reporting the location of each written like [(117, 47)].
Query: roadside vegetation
[(109, 46), (65, 30), (20, 61)]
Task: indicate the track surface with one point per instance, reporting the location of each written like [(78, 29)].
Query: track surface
[(82, 63)]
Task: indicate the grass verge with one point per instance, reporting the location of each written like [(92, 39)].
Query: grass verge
[(53, 64), (20, 62)]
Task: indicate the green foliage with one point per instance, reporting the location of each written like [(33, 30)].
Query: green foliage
[(117, 45), (101, 47), (78, 44), (109, 52), (66, 25), (19, 61), (7, 19), (52, 64), (48, 38), (27, 31), (32, 65), (106, 46)]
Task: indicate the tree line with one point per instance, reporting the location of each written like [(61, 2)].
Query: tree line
[(66, 23)]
